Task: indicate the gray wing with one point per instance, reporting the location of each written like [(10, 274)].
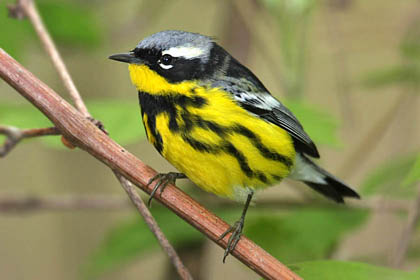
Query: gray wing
[(264, 105)]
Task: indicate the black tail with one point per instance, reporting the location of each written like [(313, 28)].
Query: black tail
[(334, 189), (321, 180)]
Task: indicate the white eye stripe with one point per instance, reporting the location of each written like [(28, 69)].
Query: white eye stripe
[(187, 52), (165, 66)]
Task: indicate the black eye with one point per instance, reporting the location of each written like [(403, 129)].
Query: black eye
[(166, 59)]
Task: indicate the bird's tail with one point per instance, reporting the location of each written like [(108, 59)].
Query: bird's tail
[(321, 180)]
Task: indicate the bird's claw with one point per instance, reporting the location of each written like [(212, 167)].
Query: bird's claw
[(236, 231), (163, 179), (98, 124)]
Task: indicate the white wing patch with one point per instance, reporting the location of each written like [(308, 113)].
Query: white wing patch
[(186, 52), (269, 101), (263, 101)]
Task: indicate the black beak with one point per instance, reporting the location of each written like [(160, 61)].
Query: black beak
[(126, 57)]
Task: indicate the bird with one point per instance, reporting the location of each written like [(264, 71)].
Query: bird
[(218, 125)]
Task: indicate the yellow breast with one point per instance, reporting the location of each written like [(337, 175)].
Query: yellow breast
[(207, 136)]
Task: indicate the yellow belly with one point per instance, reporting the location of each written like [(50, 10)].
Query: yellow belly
[(246, 155)]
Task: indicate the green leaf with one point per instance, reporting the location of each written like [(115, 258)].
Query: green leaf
[(411, 49), (410, 45), (293, 22), (71, 22), (303, 234), (300, 235), (293, 7), (22, 116), (407, 74), (12, 31), (332, 270), (133, 239), (388, 178), (122, 119), (321, 126), (26, 116), (413, 175)]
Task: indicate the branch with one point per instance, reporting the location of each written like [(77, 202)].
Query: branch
[(397, 258), (74, 126), (15, 203), (28, 8), (14, 135), (30, 203), (151, 222)]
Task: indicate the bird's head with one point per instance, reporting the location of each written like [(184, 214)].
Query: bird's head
[(169, 58)]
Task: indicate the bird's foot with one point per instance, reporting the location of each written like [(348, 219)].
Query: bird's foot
[(236, 231), (162, 180), (98, 124)]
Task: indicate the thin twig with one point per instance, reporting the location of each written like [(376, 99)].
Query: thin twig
[(397, 258), (28, 8), (151, 222), (32, 203), (86, 136), (15, 135), (20, 203)]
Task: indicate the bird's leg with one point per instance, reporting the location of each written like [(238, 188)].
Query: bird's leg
[(236, 229), (162, 180)]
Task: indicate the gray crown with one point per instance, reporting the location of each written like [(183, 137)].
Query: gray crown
[(167, 39)]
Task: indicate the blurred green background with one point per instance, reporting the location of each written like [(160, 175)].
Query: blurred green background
[(350, 71)]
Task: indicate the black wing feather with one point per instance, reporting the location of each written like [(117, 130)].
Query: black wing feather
[(288, 121), (251, 94), (283, 118)]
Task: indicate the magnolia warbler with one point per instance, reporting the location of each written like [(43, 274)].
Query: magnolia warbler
[(212, 119)]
